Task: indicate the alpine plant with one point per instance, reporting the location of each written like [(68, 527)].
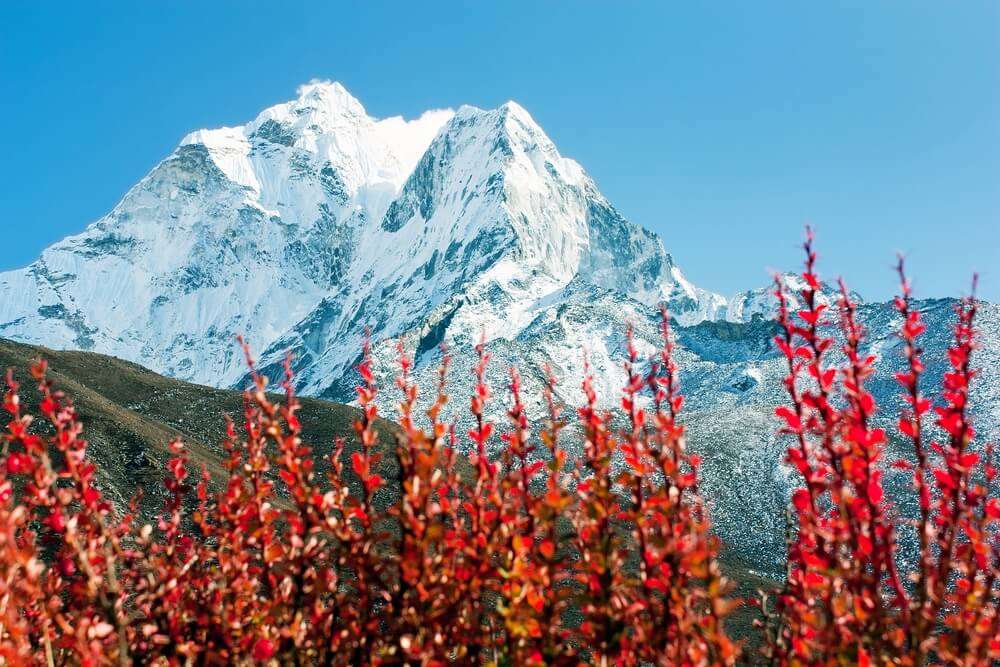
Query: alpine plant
[(849, 597), (497, 546)]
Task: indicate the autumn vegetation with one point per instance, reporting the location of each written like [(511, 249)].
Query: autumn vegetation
[(496, 546)]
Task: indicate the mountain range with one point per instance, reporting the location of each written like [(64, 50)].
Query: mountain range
[(316, 225)]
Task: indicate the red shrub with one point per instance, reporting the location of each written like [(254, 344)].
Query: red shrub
[(845, 599), (526, 557), (463, 558)]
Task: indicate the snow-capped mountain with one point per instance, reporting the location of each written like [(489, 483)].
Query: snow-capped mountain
[(239, 230), (762, 302), (315, 222)]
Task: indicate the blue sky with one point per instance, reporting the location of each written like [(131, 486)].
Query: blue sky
[(722, 126)]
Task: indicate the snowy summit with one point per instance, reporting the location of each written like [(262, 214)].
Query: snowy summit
[(315, 220)]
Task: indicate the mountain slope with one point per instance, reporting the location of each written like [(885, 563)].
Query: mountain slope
[(731, 375), (130, 415)]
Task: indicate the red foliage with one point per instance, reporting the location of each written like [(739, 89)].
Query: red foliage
[(845, 599), (525, 556), (466, 557)]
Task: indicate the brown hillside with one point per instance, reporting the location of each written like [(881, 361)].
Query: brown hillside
[(130, 414)]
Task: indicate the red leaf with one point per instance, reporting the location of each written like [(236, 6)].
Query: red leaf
[(358, 464), (944, 480), (874, 492), (809, 317), (969, 460), (18, 462), (547, 548), (263, 649), (801, 500), (902, 464), (48, 405), (993, 508), (864, 545), (373, 482), (792, 419)]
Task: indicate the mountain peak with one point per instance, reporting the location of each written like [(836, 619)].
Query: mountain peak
[(509, 116), (762, 302), (322, 87), (328, 95), (321, 107), (511, 110)]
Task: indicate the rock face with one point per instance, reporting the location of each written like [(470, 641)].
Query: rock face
[(316, 222)]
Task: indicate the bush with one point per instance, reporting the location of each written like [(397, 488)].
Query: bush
[(529, 557), (845, 598)]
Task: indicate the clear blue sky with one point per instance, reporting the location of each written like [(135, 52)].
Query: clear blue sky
[(723, 126)]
